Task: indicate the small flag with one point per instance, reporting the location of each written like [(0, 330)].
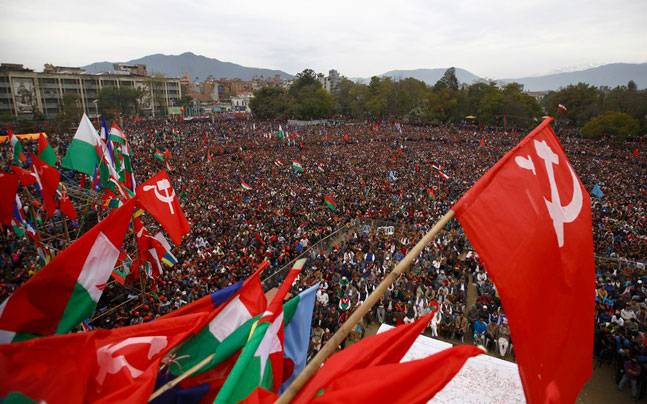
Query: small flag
[(16, 147), (430, 193), (561, 108), (635, 152), (245, 186), (297, 167), (278, 163), (330, 203)]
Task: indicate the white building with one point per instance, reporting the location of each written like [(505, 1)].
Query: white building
[(240, 103)]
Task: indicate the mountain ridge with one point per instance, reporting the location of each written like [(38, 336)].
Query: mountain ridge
[(197, 66)]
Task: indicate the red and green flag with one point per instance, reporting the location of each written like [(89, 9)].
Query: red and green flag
[(17, 148), (45, 151), (245, 186), (297, 167), (330, 203), (260, 363), (67, 290)]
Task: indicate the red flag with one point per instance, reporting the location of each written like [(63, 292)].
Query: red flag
[(167, 154), (66, 206), (529, 219), (26, 177), (399, 382), (48, 178), (482, 143), (635, 153), (388, 347), (118, 365), (9, 186), (158, 198)]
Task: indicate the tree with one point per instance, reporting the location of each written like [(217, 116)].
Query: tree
[(448, 81), (269, 103), (114, 101), (582, 101), (308, 99), (619, 125), (69, 112)]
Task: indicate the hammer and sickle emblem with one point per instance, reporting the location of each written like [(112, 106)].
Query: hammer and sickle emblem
[(163, 185), (558, 213), (109, 364)]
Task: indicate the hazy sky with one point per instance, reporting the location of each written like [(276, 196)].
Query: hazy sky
[(494, 38)]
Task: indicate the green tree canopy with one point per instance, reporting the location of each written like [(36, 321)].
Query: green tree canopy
[(115, 101), (618, 125)]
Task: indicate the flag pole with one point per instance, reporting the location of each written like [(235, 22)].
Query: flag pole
[(332, 344), (178, 379)]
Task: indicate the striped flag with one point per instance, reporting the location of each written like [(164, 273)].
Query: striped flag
[(245, 186), (330, 203), (297, 167)]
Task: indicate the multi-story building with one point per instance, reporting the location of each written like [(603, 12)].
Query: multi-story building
[(24, 92)]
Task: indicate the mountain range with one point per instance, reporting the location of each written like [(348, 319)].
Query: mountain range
[(200, 67), (197, 66)]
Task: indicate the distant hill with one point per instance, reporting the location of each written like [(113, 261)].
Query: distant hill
[(431, 76), (195, 65), (610, 75)]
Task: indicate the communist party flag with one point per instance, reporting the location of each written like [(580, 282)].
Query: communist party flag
[(158, 198), (529, 219)]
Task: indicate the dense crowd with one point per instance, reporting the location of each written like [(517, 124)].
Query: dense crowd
[(378, 177)]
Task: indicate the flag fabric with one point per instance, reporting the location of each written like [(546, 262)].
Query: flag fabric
[(430, 193), (168, 258), (205, 386), (529, 219), (19, 223), (278, 163), (297, 332), (9, 186), (441, 173), (158, 198), (26, 177), (386, 348), (207, 303), (45, 151), (635, 152), (100, 366), (330, 203), (158, 155), (561, 108), (16, 148), (82, 154), (261, 361), (47, 178), (297, 167), (116, 135), (224, 321), (597, 191), (399, 382), (482, 142), (150, 251), (280, 134), (65, 204), (67, 290), (245, 186)]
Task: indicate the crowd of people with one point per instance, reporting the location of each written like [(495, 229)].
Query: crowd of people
[(378, 176)]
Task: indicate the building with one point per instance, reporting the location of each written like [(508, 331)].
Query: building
[(331, 82), (240, 103), (24, 93)]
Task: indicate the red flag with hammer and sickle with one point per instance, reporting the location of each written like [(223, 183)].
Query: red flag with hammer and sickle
[(158, 198), (529, 219)]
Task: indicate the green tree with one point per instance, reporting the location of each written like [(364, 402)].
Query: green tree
[(582, 101), (308, 99), (69, 113), (269, 103), (448, 81), (114, 101), (618, 125)]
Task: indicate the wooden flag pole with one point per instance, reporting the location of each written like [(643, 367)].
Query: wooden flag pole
[(371, 300), (178, 379)]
